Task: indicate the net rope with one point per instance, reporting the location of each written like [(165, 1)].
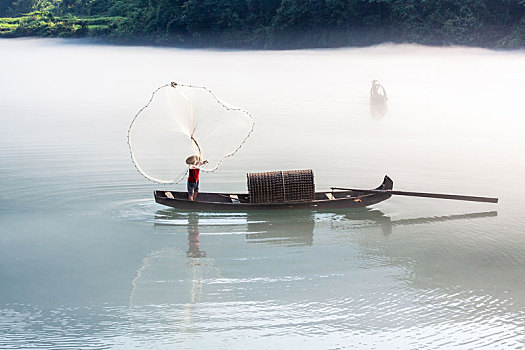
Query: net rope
[(235, 127)]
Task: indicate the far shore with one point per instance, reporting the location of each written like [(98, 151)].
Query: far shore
[(106, 41)]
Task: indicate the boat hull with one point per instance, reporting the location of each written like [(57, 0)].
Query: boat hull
[(240, 202)]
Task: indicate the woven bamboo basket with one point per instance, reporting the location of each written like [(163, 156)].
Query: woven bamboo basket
[(281, 186)]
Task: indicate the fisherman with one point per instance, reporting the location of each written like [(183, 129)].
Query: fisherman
[(194, 162)]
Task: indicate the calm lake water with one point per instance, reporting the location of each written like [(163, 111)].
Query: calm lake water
[(88, 260)]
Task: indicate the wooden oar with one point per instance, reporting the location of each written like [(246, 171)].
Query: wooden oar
[(424, 194)]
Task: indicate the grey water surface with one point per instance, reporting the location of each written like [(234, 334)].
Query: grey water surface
[(89, 260)]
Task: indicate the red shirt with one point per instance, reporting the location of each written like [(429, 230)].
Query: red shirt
[(194, 175)]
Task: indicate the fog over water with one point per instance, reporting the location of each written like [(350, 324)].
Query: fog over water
[(89, 260)]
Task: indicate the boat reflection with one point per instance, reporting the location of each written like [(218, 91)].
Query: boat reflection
[(374, 217), (425, 220), (296, 228), (293, 228), (288, 228), (281, 228), (362, 218), (181, 272)]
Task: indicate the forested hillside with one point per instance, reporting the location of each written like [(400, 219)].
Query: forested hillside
[(271, 23)]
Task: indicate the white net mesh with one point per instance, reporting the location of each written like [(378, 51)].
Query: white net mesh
[(180, 121)]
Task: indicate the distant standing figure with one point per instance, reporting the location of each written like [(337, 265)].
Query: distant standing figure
[(378, 99), (377, 93), (195, 162)]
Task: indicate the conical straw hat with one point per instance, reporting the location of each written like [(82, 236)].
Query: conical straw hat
[(191, 160)]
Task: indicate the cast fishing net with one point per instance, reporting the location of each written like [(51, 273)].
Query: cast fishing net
[(180, 121)]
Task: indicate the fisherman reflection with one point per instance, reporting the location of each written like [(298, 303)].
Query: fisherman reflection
[(378, 100), (197, 265), (194, 250)]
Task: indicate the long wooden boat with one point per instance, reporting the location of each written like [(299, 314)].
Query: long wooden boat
[(235, 201)]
